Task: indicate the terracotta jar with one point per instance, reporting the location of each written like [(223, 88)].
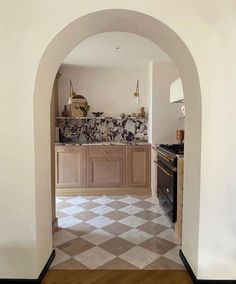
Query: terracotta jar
[(180, 135)]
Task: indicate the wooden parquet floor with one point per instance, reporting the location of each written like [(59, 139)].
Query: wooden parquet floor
[(117, 277)]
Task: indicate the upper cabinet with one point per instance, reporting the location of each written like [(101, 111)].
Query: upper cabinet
[(176, 92)]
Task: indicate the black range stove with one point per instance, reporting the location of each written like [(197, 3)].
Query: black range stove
[(166, 161), (176, 149)]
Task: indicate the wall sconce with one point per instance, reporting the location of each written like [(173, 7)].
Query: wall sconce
[(136, 94), (72, 93)]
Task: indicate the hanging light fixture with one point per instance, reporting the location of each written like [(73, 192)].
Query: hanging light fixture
[(136, 94)]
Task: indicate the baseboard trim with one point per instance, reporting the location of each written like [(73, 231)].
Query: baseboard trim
[(102, 191), (33, 281), (200, 281)]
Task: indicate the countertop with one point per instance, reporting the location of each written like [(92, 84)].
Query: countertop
[(104, 144)]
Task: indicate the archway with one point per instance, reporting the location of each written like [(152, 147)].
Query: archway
[(171, 43)]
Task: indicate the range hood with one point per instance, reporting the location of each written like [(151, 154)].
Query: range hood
[(176, 92)]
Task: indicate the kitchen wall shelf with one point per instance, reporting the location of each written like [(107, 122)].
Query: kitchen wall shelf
[(99, 117)]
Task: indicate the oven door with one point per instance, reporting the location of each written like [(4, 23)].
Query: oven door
[(166, 181)]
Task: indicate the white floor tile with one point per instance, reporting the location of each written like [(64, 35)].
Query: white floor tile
[(132, 221), (135, 236), (170, 235), (100, 221), (156, 209), (101, 210), (152, 199), (72, 210), (103, 200), (68, 221), (94, 257), (139, 256), (163, 220), (77, 200), (131, 209), (129, 200)]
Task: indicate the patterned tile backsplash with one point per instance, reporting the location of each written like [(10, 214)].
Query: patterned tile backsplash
[(98, 129)]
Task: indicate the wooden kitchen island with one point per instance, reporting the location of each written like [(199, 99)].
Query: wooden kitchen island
[(98, 169)]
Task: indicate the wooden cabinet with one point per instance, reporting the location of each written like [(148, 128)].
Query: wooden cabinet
[(70, 166), (138, 166), (105, 166), (113, 169)]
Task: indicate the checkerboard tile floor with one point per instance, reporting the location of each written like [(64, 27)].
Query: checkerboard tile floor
[(114, 232)]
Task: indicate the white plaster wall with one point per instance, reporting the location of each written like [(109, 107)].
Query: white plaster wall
[(208, 29), (165, 120), (107, 89)]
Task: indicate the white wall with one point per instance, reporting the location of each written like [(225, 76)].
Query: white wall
[(164, 119), (28, 28), (107, 89)]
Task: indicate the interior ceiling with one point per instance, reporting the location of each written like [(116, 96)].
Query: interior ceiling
[(115, 49)]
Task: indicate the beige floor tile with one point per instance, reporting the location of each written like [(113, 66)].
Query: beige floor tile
[(59, 214), (117, 246), (117, 204), (144, 204), (86, 215), (158, 245), (163, 263), (62, 236), (94, 257), (97, 237), (173, 254), (75, 247), (147, 215), (139, 256), (81, 229), (116, 228), (70, 264), (60, 257), (62, 205), (116, 215), (152, 228), (90, 239), (118, 264), (89, 205)]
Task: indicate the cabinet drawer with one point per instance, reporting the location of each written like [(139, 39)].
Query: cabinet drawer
[(105, 151), (69, 148)]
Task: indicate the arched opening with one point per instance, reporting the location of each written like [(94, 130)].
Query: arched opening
[(171, 43)]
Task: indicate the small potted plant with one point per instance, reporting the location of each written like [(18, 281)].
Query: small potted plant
[(85, 108)]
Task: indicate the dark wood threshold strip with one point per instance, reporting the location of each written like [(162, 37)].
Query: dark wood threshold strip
[(200, 281), (33, 281)]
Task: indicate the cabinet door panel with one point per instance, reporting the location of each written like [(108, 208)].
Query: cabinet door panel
[(70, 168), (138, 166), (105, 172)]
